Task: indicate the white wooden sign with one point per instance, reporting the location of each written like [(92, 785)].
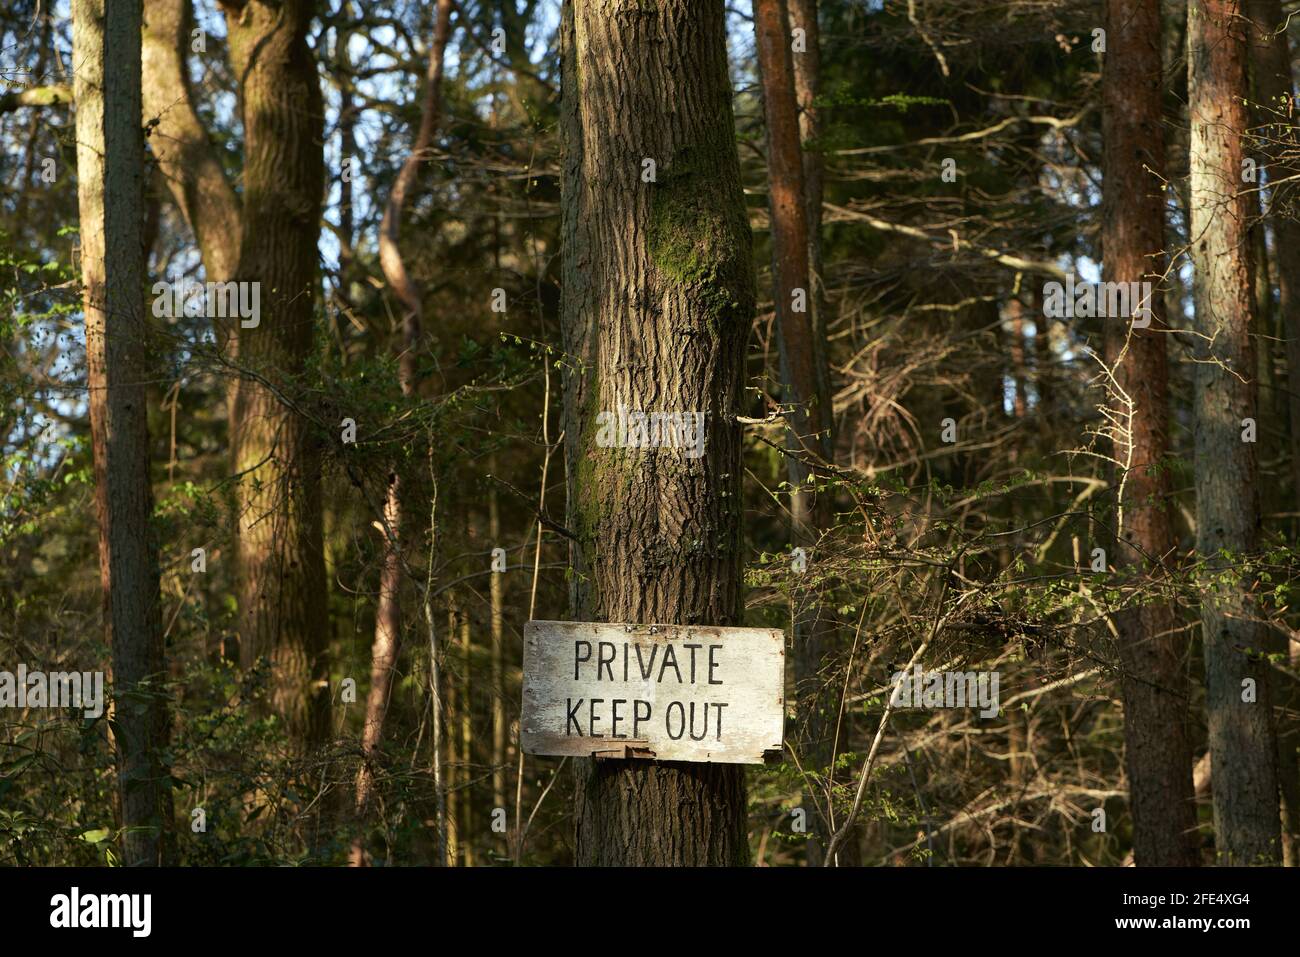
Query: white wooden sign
[(667, 692)]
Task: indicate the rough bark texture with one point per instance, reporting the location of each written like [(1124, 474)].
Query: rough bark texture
[(1157, 745), (1271, 62), (1227, 492), (388, 614), (658, 299), (282, 588), (110, 193), (807, 83), (790, 272)]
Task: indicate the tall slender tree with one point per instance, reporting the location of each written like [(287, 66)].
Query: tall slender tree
[(800, 380), (282, 587), (110, 193), (804, 377), (806, 46), (1157, 747), (1272, 81), (497, 630), (1227, 490), (1271, 69), (658, 297)]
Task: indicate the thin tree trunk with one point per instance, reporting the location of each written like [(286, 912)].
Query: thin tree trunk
[(110, 195), (496, 588), (349, 110), (803, 373), (1271, 61), (1157, 745), (1276, 491), (383, 661), (453, 764), (388, 614), (799, 377), (1227, 492), (435, 688), (658, 297), (467, 739), (282, 585), (807, 83)]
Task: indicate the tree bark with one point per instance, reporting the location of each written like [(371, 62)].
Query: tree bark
[(803, 368), (497, 599), (658, 298), (807, 84), (110, 194), (467, 738), (282, 586), (790, 272), (1271, 69), (452, 762), (1227, 492), (1271, 59), (1157, 746)]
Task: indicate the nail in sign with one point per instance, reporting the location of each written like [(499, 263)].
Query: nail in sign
[(666, 692)]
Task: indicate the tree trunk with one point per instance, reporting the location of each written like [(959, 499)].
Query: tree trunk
[(1271, 60), (388, 614), (658, 298), (467, 738), (1157, 746), (803, 372), (282, 586), (496, 587), (807, 84), (110, 194), (180, 142), (452, 761), (800, 381), (1227, 493), (186, 158)]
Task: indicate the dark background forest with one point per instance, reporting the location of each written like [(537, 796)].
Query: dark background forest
[(341, 674)]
